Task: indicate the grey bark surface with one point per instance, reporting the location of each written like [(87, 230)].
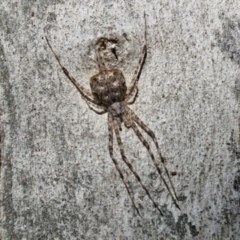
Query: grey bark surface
[(57, 178)]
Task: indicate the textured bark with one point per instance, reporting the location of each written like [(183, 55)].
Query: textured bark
[(57, 178)]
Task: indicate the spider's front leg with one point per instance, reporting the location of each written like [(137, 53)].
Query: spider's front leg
[(115, 125), (110, 147), (130, 120)]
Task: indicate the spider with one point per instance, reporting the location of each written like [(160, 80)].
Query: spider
[(111, 95)]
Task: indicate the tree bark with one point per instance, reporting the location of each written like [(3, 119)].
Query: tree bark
[(57, 178)]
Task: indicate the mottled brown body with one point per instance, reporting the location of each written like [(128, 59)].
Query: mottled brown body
[(108, 87), (110, 94)]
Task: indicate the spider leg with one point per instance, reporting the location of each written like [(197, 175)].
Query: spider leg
[(133, 97), (152, 135), (94, 108), (85, 93), (120, 145), (96, 111), (133, 85), (110, 147), (145, 143)]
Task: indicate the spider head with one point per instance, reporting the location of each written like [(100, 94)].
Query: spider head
[(108, 87)]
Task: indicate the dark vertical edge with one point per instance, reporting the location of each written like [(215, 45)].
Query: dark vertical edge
[(8, 214)]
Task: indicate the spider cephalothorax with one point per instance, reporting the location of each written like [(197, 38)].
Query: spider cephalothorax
[(110, 94)]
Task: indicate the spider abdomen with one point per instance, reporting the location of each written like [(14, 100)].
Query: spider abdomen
[(108, 87)]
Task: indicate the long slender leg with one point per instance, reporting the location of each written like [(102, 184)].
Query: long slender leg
[(85, 93), (145, 143), (152, 135), (120, 144), (133, 97), (96, 111), (94, 108), (110, 147), (137, 72)]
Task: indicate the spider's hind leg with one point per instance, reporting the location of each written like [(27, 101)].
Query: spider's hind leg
[(86, 95), (132, 90)]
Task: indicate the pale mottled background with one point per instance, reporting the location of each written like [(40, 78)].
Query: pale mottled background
[(57, 179)]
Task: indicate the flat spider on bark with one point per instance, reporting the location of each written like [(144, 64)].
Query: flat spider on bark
[(111, 95)]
